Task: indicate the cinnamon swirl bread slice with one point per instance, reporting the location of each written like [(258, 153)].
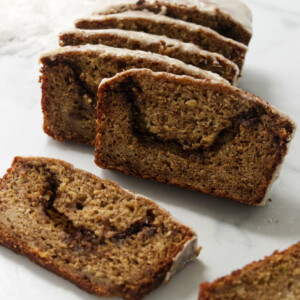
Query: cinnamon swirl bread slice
[(90, 231), (192, 133)]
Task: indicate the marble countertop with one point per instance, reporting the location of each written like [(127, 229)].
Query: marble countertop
[(231, 234)]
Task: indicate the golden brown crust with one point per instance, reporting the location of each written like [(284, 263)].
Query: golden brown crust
[(207, 289), (103, 163)]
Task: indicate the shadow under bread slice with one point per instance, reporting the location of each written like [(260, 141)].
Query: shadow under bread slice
[(231, 18), (186, 52), (191, 133), (70, 79), (90, 231), (201, 36), (275, 277)]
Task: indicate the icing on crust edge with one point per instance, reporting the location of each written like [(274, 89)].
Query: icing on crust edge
[(118, 52), (161, 18), (236, 10)]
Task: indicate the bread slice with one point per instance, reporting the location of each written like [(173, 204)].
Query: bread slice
[(191, 133), (230, 18), (276, 277), (201, 36), (70, 79), (186, 52), (104, 239)]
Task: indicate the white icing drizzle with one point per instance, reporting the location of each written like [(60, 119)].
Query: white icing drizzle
[(148, 39), (187, 254), (236, 10), (189, 250), (118, 52), (163, 19)]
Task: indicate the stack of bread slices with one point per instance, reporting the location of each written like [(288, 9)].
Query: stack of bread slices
[(201, 39), (166, 108)]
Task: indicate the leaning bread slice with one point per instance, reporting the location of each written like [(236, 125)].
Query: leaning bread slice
[(186, 52), (70, 79), (104, 239), (201, 36), (191, 133), (231, 18), (276, 277)]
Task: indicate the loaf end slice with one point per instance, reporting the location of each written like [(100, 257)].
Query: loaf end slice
[(276, 277), (192, 133), (231, 18), (104, 239)]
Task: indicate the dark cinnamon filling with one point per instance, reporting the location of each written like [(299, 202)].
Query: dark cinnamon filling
[(80, 238), (130, 91)]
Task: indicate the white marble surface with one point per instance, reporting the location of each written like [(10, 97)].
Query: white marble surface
[(231, 234)]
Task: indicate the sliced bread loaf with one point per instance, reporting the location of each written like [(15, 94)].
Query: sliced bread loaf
[(70, 79)]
